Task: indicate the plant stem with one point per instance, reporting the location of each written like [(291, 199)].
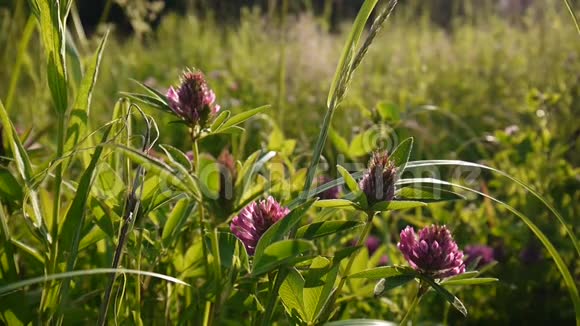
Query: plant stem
[(316, 156), (51, 289), (208, 316), (420, 291), (361, 240), (56, 201), (138, 282), (273, 297)]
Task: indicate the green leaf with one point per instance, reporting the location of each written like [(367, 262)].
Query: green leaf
[(400, 155), (384, 272), (52, 32), (455, 302), (321, 229), (390, 283), (10, 189), (150, 101), (315, 297), (22, 161), (241, 117), (219, 120), (281, 253), (73, 54), (396, 205), (463, 276), (281, 228), (348, 179), (80, 112), (338, 141), (363, 143), (176, 156), (426, 194), (233, 130), (343, 69), (389, 112), (336, 203), (183, 181), (155, 93), (74, 220), (470, 281), (182, 210), (291, 292)]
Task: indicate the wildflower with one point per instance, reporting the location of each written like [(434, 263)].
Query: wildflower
[(378, 182), (331, 193), (193, 101), (433, 252), (483, 254), (255, 219)]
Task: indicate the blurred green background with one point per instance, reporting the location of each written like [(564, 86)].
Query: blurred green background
[(495, 82)]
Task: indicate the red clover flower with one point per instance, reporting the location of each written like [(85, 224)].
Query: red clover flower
[(193, 101), (378, 182), (255, 219), (433, 252)]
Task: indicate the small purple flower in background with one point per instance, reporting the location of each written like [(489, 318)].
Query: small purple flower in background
[(378, 182), (384, 261), (255, 219), (193, 101), (483, 254), (332, 193), (433, 252), (373, 243)]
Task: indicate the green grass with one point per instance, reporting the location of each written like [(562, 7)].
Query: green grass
[(455, 90)]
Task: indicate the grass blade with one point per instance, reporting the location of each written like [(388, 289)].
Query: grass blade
[(52, 32), (570, 232), (96, 271), (346, 59), (80, 112), (568, 279)]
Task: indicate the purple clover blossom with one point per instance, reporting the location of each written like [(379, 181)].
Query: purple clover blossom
[(255, 219), (373, 243), (433, 252), (193, 101), (332, 193), (378, 182), (481, 252)]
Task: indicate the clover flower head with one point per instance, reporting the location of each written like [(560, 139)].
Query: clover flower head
[(193, 101), (432, 252), (479, 252), (378, 182), (255, 219)]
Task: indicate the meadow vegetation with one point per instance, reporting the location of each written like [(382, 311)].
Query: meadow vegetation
[(497, 91)]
